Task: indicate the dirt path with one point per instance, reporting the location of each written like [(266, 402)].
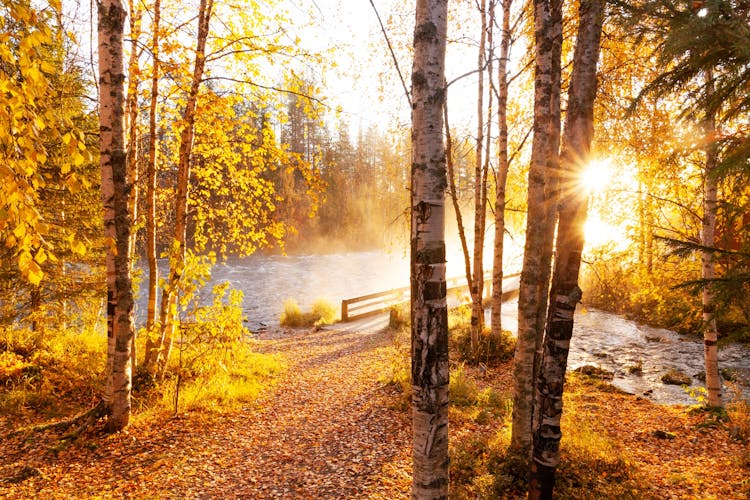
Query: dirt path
[(325, 431)]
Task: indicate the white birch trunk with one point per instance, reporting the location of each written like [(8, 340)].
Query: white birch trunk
[(477, 282), (531, 285), (117, 224), (429, 330), (710, 334), (152, 347), (565, 293), (502, 172), (132, 107), (177, 261)]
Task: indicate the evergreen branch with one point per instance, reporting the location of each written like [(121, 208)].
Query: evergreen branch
[(683, 248)]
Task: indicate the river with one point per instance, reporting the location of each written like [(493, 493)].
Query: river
[(600, 339)]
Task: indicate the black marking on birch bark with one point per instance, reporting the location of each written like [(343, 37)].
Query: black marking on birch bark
[(422, 211), (425, 32), (110, 311), (435, 254), (709, 343), (118, 159), (437, 97), (437, 483), (434, 290), (418, 79), (708, 308)]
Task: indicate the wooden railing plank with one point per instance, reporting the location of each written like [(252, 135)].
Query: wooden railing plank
[(399, 296)]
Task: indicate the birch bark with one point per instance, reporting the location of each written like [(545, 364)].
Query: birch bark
[(429, 330), (177, 260), (153, 270), (132, 108), (502, 171), (117, 224), (710, 334), (477, 281), (565, 293), (532, 273)]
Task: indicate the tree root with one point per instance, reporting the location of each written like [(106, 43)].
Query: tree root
[(82, 421)]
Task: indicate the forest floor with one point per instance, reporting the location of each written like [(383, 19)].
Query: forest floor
[(331, 428)]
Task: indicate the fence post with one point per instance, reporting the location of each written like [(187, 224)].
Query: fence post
[(344, 311)]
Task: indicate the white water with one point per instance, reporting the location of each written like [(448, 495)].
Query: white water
[(601, 339), (615, 344)]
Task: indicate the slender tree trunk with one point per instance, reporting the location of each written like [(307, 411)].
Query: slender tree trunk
[(152, 347), (35, 304), (177, 262), (429, 325), (710, 334), (532, 273), (117, 224), (487, 138), (454, 195), (132, 107), (551, 189), (477, 282), (502, 172), (565, 293)]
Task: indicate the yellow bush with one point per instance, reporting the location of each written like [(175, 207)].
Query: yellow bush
[(323, 313)]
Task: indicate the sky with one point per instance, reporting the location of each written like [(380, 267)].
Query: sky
[(366, 83)]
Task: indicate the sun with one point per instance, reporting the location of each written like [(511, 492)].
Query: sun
[(597, 175)]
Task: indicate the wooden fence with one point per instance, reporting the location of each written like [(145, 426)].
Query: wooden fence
[(380, 302)]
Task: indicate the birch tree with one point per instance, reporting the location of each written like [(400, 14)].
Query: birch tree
[(429, 315), (565, 292), (178, 250), (533, 285), (117, 224), (501, 176), (480, 190), (710, 334), (153, 269)]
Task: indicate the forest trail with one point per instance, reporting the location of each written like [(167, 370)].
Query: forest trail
[(325, 430)]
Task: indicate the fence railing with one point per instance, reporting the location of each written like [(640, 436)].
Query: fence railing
[(380, 302)]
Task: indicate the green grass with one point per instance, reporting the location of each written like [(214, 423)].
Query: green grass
[(226, 386)]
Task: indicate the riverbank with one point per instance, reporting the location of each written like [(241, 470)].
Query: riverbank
[(335, 425)]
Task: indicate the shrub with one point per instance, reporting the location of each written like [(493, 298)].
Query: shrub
[(322, 313), (399, 317), (216, 366), (396, 371), (492, 349), (53, 372), (463, 389), (738, 411), (292, 315)]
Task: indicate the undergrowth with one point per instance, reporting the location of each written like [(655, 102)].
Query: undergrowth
[(54, 373), (482, 464), (491, 350), (49, 372)]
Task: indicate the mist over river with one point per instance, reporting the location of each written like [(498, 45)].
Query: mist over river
[(600, 339)]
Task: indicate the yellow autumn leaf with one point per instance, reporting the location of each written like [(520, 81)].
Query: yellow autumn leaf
[(34, 273), (78, 247), (41, 256)]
